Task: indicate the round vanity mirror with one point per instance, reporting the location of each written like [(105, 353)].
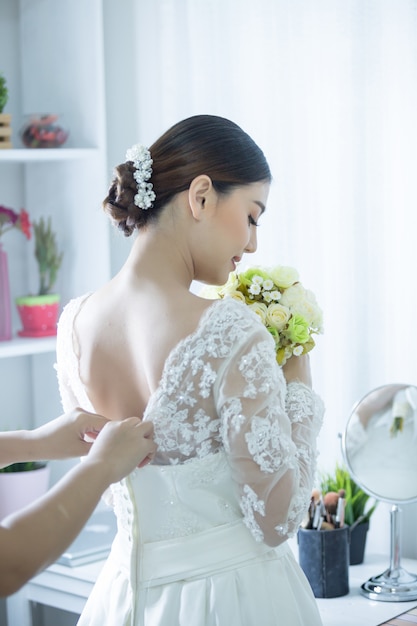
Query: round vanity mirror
[(380, 450)]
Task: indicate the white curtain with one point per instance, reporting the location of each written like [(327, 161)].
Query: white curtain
[(328, 88)]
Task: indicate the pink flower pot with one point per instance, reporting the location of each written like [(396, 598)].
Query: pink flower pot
[(39, 315), (18, 489)]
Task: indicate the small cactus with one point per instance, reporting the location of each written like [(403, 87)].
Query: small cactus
[(47, 255)]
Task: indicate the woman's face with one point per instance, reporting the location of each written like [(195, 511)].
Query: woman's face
[(231, 231)]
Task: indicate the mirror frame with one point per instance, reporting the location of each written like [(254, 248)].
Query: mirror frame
[(366, 489), (395, 584)]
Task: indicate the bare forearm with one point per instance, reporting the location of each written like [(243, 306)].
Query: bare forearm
[(61, 438), (18, 447), (35, 537)]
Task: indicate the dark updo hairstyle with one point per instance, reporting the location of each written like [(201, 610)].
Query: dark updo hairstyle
[(202, 144)]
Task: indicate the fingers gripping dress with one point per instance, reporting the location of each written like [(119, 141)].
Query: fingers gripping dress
[(202, 531)]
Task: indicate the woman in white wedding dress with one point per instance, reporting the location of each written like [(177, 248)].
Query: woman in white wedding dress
[(202, 530)]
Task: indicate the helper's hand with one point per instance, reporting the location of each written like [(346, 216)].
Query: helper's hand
[(64, 437), (122, 446)]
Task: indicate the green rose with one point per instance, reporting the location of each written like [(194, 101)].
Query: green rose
[(297, 330), (256, 273)]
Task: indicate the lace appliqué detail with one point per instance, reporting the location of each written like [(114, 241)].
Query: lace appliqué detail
[(269, 447), (188, 379), (177, 431), (302, 402), (257, 370), (174, 430), (249, 505), (232, 418), (211, 472), (306, 454), (295, 515), (206, 381), (178, 522)]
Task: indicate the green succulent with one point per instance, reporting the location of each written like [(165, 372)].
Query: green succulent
[(359, 505), (47, 255), (4, 93)]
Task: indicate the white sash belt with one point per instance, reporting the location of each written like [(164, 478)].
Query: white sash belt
[(219, 548)]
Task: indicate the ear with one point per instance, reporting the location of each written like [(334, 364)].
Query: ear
[(199, 193)]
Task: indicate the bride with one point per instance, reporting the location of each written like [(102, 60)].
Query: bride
[(202, 530)]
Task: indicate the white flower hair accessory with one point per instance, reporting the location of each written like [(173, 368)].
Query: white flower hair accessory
[(141, 157)]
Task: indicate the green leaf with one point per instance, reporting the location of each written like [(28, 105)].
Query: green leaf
[(358, 503)]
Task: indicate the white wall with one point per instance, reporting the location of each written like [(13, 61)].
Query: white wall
[(340, 78)]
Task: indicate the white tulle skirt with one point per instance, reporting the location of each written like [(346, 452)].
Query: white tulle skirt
[(265, 588)]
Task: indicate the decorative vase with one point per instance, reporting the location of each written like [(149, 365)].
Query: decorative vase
[(18, 489), (38, 314), (5, 308), (358, 542), (43, 131)]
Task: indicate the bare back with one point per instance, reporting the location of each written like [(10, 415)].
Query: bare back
[(124, 337)]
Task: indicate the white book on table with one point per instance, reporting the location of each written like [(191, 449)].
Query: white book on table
[(94, 541)]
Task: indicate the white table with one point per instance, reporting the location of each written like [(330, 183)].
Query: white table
[(67, 588), (355, 609), (59, 586)]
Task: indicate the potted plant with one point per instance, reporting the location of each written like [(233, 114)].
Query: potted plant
[(4, 93), (21, 484), (359, 507), (5, 130), (39, 313)]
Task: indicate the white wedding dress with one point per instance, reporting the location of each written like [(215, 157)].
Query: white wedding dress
[(233, 473)]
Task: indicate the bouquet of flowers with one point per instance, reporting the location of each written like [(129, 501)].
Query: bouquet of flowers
[(288, 310), (10, 219)]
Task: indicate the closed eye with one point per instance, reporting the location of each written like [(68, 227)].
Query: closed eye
[(252, 222)]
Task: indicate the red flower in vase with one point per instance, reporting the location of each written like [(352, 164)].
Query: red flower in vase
[(10, 219)]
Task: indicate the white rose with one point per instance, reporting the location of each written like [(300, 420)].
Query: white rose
[(303, 302), (260, 309), (284, 276), (317, 313), (293, 296), (278, 316), (236, 295)]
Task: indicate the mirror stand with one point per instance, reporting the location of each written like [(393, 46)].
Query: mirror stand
[(395, 584)]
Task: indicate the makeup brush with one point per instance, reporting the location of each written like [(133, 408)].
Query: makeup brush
[(340, 510), (330, 501)]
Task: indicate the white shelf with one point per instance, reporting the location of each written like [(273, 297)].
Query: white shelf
[(23, 346), (30, 155)]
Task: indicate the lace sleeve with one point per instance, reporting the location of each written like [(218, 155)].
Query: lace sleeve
[(63, 351), (71, 389), (269, 432)]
